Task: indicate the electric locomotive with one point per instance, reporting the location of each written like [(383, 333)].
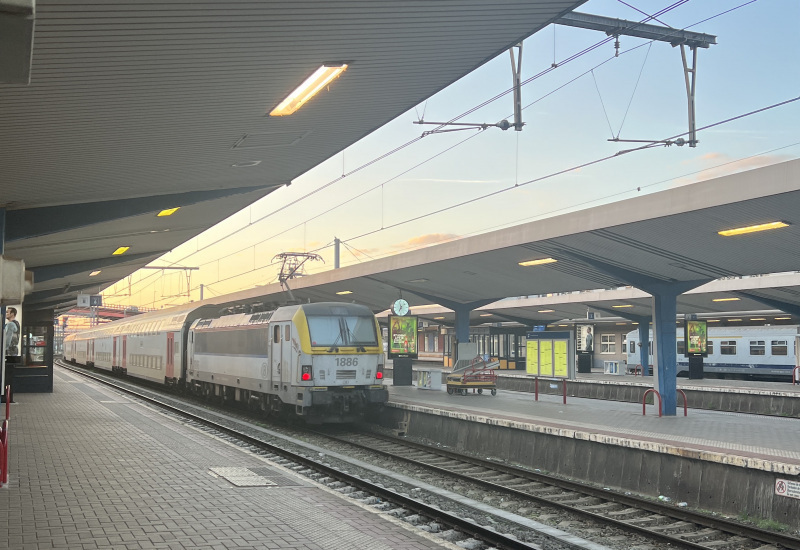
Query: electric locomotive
[(323, 362)]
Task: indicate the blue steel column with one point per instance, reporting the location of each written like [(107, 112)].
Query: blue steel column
[(462, 321), (644, 344), (664, 328)]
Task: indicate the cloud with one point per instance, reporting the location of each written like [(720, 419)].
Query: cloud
[(723, 166)]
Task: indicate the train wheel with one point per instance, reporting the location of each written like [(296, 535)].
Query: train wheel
[(480, 391), (494, 391), (464, 391), (450, 390)]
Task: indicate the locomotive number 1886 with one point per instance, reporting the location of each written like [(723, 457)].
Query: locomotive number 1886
[(347, 361)]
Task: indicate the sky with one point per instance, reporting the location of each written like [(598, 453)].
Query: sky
[(458, 184)]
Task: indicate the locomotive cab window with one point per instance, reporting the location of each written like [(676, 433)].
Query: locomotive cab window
[(345, 329), (276, 334), (287, 333)]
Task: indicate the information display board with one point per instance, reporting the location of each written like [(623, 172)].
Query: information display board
[(548, 354), (695, 334), (402, 337)]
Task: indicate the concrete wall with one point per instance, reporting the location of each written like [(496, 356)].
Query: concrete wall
[(619, 464)]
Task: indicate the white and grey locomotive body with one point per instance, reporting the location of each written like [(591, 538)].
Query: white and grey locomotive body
[(323, 361)]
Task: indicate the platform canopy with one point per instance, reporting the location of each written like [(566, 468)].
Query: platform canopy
[(670, 237), (133, 108)]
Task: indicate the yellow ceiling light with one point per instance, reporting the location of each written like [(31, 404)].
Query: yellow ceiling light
[(546, 310), (734, 319), (623, 305), (437, 318), (757, 319), (168, 212), (486, 314), (563, 325), (783, 318), (753, 228), (713, 320), (540, 261), (308, 89), (344, 292), (121, 250), (95, 272), (726, 299)]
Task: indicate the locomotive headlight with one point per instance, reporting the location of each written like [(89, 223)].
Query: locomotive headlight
[(305, 373)]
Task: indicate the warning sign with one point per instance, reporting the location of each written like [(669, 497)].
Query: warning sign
[(786, 488)]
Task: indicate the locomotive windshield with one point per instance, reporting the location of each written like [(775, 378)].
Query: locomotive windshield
[(342, 330)]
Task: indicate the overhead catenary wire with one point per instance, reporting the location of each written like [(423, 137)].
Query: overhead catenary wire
[(410, 142)]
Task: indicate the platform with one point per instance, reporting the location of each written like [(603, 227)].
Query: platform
[(92, 469), (711, 460)]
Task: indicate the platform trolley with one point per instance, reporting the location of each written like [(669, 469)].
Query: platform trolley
[(477, 376)]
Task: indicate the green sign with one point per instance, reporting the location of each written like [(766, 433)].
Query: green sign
[(696, 338), (402, 337)]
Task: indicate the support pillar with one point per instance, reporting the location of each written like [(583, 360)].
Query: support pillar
[(665, 356), (644, 347)]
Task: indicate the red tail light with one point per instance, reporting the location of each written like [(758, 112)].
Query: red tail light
[(305, 373), (306, 376), (379, 375)]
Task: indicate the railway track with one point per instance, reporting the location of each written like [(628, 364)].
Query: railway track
[(344, 476), (436, 477), (653, 520)]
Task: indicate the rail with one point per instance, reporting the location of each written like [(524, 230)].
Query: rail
[(654, 391)]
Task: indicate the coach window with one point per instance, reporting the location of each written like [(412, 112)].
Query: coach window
[(758, 347), (607, 343), (710, 347), (727, 347), (633, 346), (780, 347)]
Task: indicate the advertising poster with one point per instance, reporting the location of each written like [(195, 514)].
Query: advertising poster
[(560, 358), (584, 338), (402, 337), (532, 357), (696, 338)]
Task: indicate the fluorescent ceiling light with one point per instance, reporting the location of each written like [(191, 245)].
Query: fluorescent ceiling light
[(623, 305), (783, 318), (635, 323), (168, 212), (757, 319), (713, 320), (622, 323), (343, 292), (121, 250), (563, 325), (422, 280), (308, 89), (437, 318), (753, 228), (734, 319), (726, 299), (486, 314), (95, 272), (546, 310), (538, 262), (246, 163)]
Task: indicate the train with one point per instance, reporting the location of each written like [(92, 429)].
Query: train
[(323, 362), (768, 352)]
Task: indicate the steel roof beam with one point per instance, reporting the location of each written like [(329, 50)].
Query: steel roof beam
[(787, 307), (623, 27)]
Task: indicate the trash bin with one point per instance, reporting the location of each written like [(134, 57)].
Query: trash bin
[(695, 367), (402, 372), (584, 362)]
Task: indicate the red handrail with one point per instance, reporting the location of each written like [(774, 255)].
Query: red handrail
[(4, 453), (8, 402), (685, 403), (644, 400)]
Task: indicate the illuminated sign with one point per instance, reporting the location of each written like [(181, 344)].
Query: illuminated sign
[(402, 337), (584, 339), (695, 334)]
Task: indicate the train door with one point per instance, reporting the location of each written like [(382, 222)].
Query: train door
[(286, 354), (124, 352), (90, 352), (276, 335), (114, 353), (170, 374)]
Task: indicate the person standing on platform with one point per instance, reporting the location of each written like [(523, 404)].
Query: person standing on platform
[(11, 334)]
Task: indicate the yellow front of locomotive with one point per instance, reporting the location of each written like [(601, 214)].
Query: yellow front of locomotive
[(340, 361)]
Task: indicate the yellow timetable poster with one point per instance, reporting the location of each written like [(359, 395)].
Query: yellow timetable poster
[(560, 353), (546, 358), (532, 359)]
